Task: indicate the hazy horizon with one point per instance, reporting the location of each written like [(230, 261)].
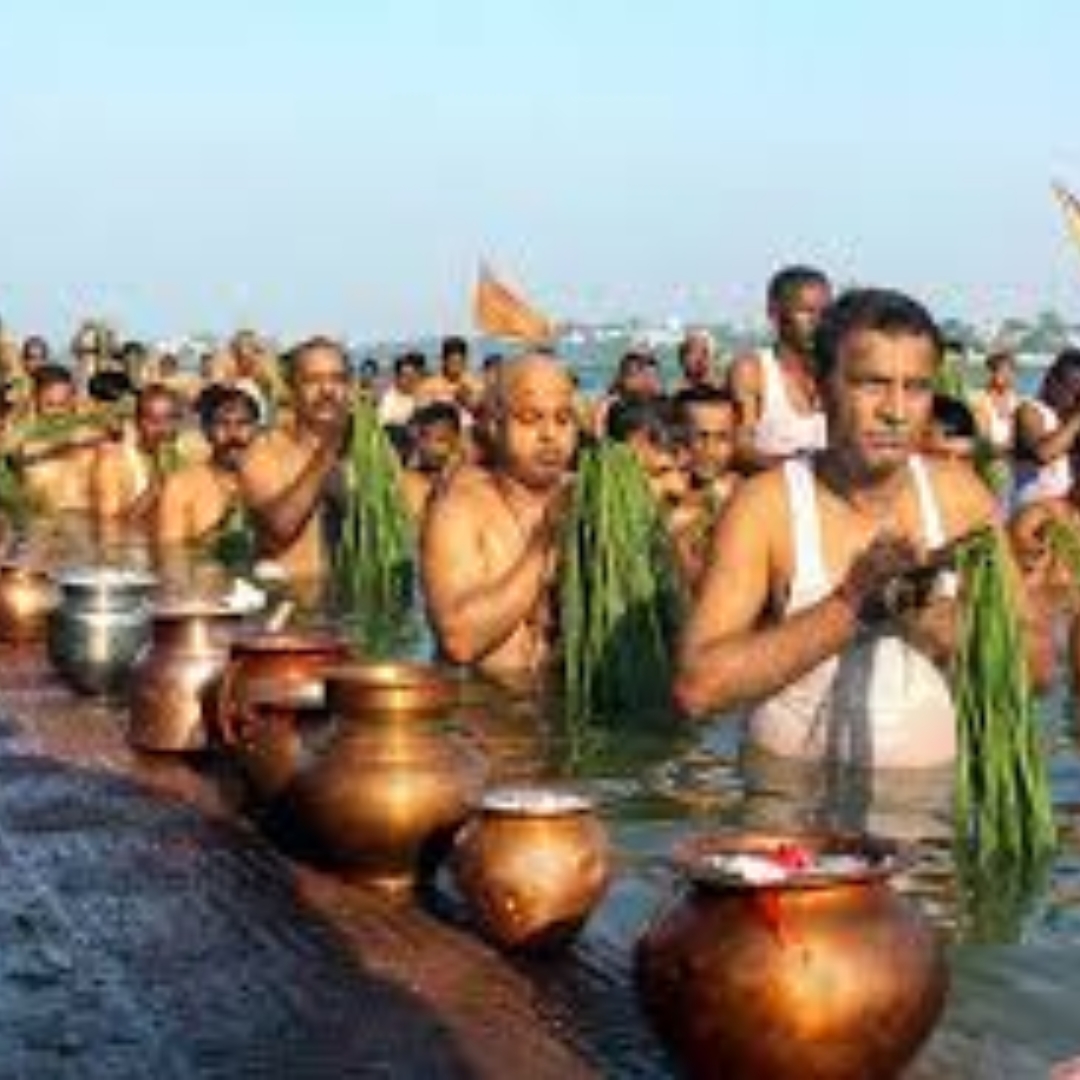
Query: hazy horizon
[(344, 167)]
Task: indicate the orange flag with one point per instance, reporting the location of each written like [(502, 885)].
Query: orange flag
[(1071, 207), (500, 312)]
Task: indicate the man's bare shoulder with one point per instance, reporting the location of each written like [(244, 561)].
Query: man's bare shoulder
[(763, 495), (271, 447), (470, 489)]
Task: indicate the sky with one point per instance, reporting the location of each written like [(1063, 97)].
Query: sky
[(342, 165)]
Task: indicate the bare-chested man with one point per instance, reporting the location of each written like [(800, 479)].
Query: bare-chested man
[(199, 498), (437, 445), (54, 450), (288, 476), (127, 473), (707, 419), (455, 382), (488, 546), (796, 614), (775, 389)]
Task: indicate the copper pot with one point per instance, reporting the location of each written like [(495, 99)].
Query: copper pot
[(532, 863), (380, 795), (273, 666), (833, 977), (174, 679), (27, 597), (280, 735), (398, 686)]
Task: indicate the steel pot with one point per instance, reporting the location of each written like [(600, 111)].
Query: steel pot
[(100, 627)]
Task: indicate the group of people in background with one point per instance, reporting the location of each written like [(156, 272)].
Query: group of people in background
[(798, 482)]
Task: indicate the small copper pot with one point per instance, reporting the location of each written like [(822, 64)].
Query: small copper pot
[(381, 795), (832, 976), (173, 681), (27, 597), (273, 666), (532, 863)]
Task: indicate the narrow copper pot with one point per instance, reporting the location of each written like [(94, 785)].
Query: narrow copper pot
[(532, 863), (173, 683), (27, 598), (838, 978)]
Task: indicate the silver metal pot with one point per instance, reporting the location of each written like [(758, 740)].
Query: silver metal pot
[(100, 627)]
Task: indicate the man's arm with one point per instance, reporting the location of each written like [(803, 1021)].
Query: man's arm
[(725, 658), (1033, 439), (108, 483), (473, 613), (281, 513), (172, 514), (744, 384)]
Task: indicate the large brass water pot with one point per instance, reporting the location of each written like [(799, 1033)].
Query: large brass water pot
[(28, 595), (532, 863), (173, 682), (380, 794), (824, 977)]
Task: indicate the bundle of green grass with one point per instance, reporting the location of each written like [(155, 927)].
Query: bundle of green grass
[(619, 596), (1003, 801), (376, 556)]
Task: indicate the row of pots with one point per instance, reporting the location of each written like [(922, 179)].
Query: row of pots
[(350, 761), (814, 977)]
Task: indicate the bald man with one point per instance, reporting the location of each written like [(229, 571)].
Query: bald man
[(489, 539)]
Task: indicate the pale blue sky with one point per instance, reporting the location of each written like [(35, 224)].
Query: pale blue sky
[(341, 166)]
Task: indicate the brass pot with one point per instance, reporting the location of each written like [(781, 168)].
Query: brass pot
[(273, 666), (381, 795), (173, 681), (27, 597), (834, 977), (384, 687), (532, 863)]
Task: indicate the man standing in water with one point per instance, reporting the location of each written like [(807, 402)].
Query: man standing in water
[(795, 614), (287, 477), (198, 500), (775, 389), (127, 472), (489, 540)]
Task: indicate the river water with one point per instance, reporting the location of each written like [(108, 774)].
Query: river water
[(1014, 938)]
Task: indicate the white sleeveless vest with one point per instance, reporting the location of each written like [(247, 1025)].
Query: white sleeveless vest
[(783, 431), (881, 703)]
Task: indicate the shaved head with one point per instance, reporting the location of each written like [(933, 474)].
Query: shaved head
[(532, 373)]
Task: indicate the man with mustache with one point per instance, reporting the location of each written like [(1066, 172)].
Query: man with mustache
[(775, 389), (198, 499), (288, 479), (797, 614), (489, 543)]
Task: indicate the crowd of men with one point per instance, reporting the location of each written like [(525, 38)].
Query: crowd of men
[(800, 482)]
